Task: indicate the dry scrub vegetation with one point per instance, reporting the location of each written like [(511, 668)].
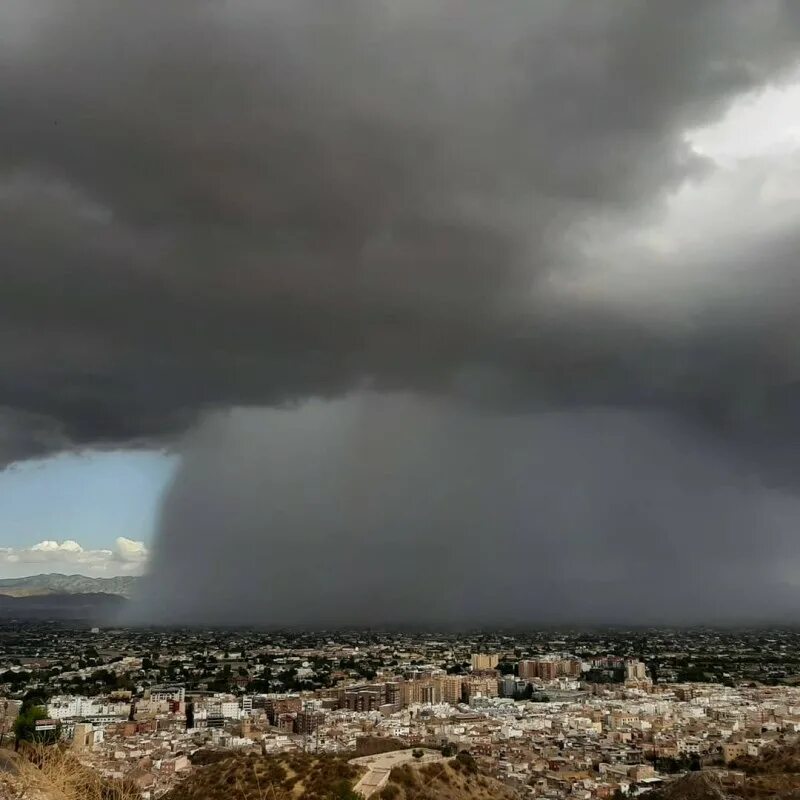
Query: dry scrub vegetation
[(458, 779), (55, 774), (52, 773), (280, 777), (774, 775)]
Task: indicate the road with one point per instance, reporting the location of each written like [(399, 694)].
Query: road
[(379, 766)]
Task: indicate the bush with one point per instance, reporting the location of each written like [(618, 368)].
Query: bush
[(466, 762), (403, 775), (72, 781), (342, 791)]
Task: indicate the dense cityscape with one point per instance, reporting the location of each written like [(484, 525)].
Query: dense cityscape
[(552, 714)]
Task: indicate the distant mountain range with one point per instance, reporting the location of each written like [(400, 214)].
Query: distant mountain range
[(56, 583), (64, 597)]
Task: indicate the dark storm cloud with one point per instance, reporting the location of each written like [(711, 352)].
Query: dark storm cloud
[(249, 203), (385, 510)]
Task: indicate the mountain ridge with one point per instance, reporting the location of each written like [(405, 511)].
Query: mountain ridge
[(59, 583)]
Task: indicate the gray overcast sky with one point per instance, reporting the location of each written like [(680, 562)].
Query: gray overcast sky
[(529, 211)]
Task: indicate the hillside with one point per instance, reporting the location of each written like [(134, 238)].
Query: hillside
[(694, 786), (453, 780), (323, 777), (773, 775), (294, 776), (57, 583), (55, 774), (783, 760), (19, 780)]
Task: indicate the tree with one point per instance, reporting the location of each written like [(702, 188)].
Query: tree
[(25, 727), (466, 762), (342, 791), (32, 699), (525, 694)]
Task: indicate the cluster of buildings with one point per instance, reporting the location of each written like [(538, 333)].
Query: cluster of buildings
[(548, 669), (559, 716), (585, 741)]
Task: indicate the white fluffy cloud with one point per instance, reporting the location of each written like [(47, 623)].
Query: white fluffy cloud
[(130, 551), (127, 557)]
